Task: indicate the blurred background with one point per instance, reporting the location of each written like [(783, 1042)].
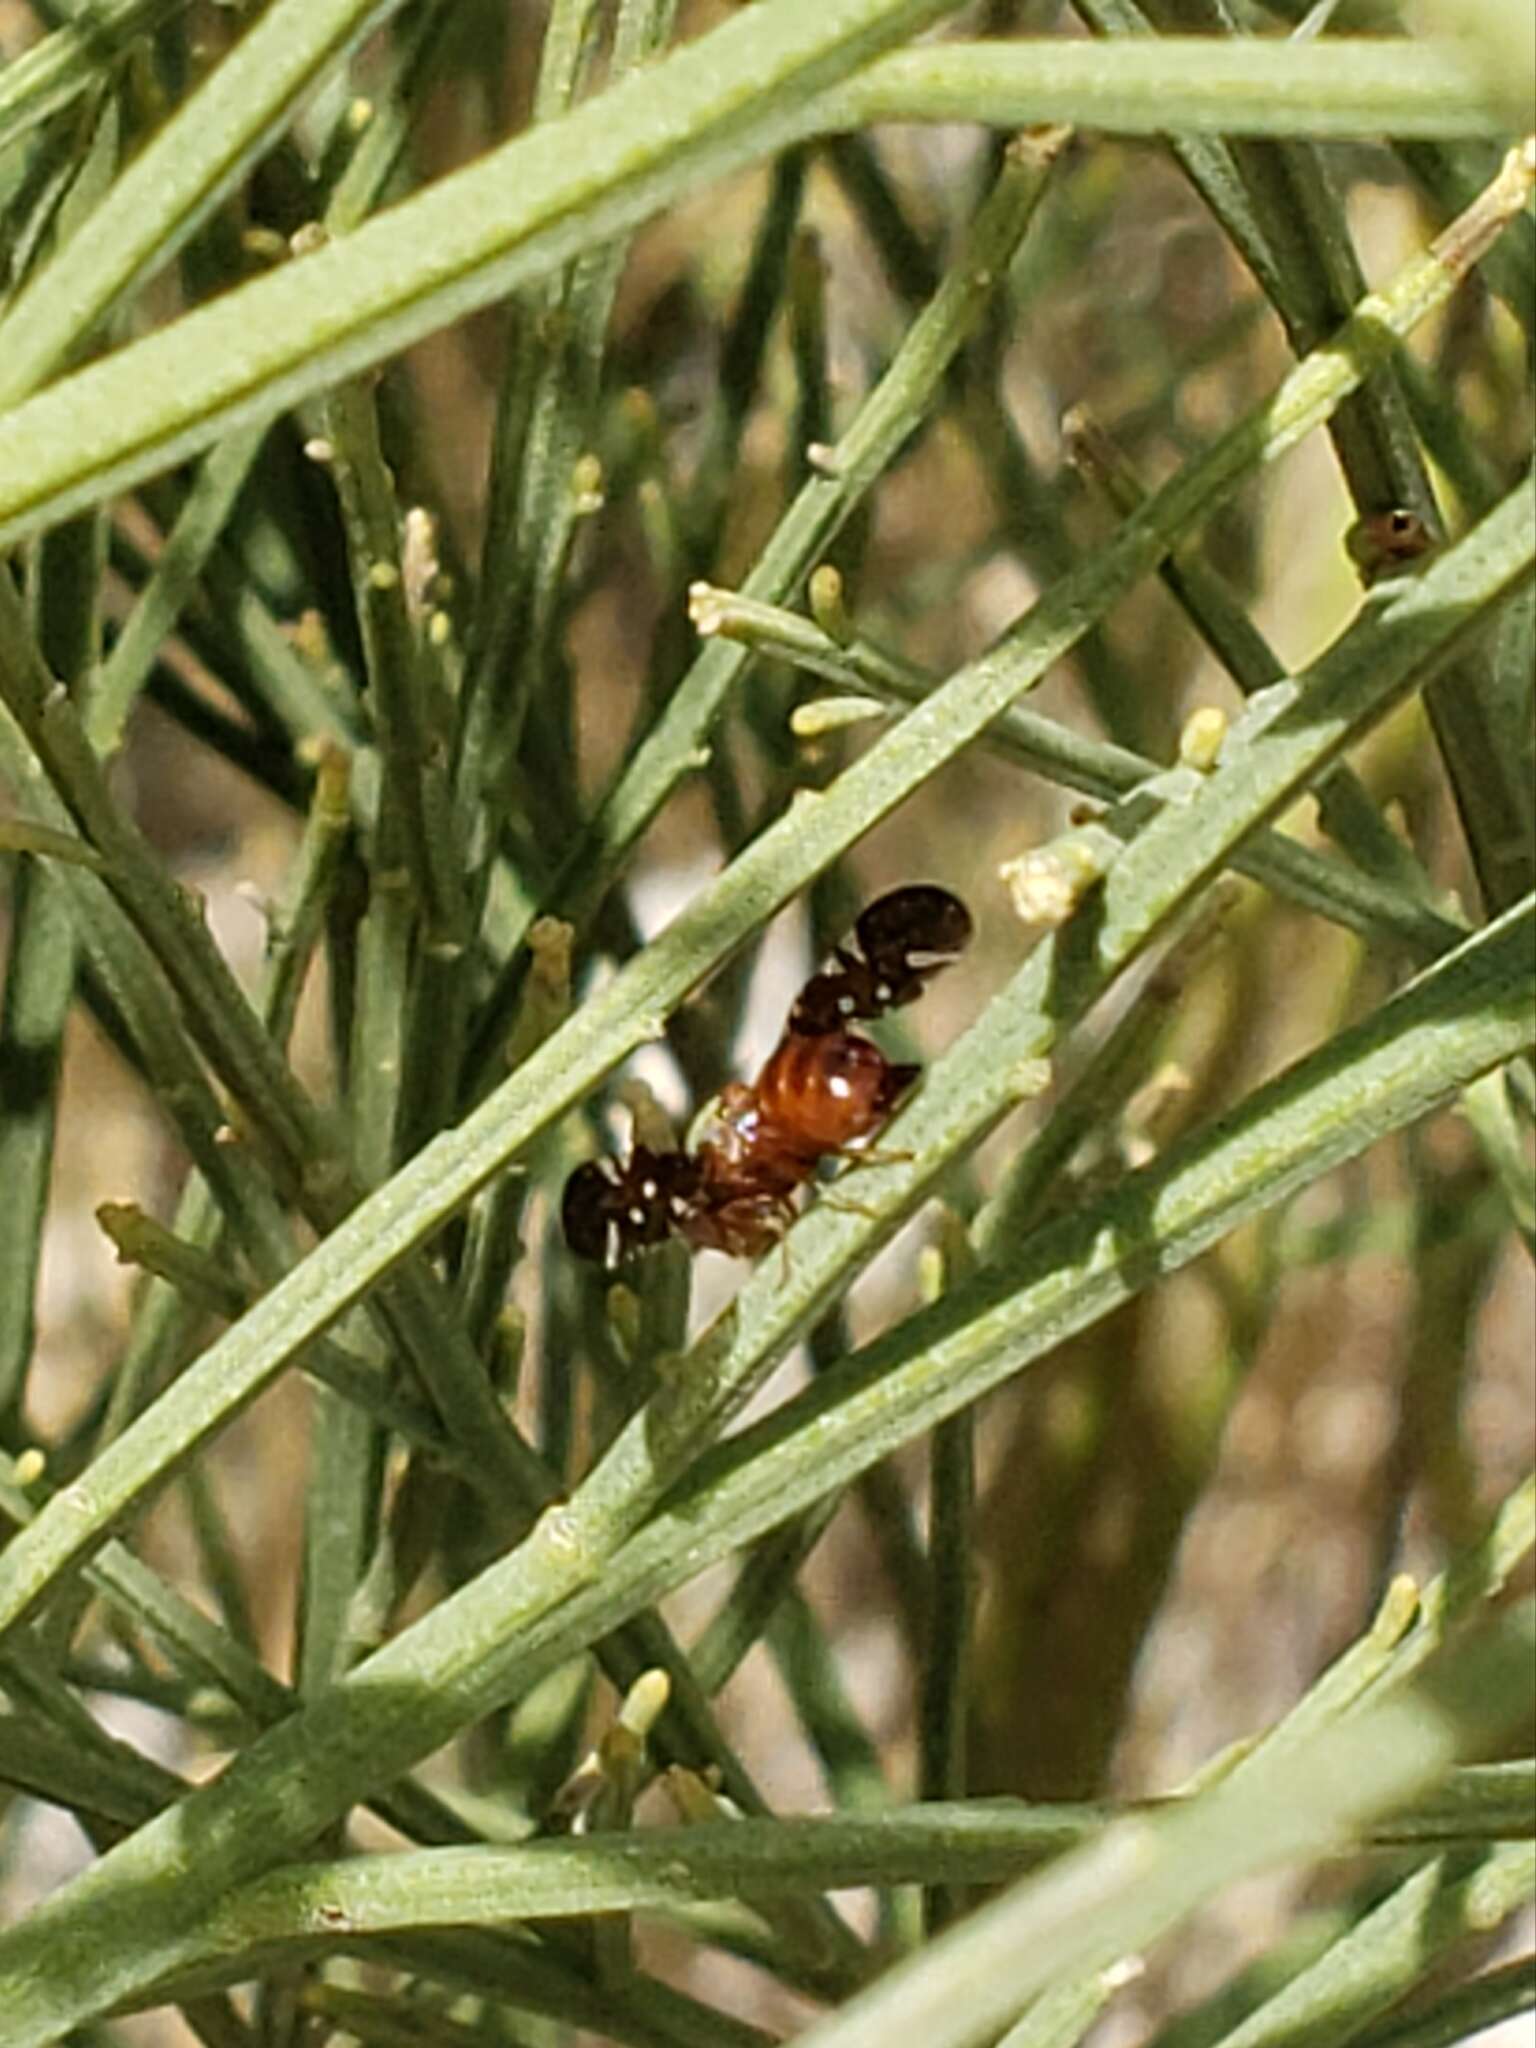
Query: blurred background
[(1189, 1510)]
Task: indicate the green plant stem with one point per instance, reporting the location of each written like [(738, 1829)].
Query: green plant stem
[(46, 1762), (1140, 1874), (291, 690), (218, 1557), (39, 985), (848, 1755), (197, 1283), (1399, 641), (202, 518), (162, 1332), (763, 1581), (417, 47), (480, 232), (1461, 2013), (1150, 882), (1094, 1103), (637, 2012), (743, 353), (1059, 2018), (192, 1269), (947, 1664), (552, 396), (174, 183), (416, 853), (1193, 85), (1377, 909), (1489, 1109), (1466, 1015), (676, 742), (377, 2020), (346, 1452), (295, 926), (1388, 1953), (40, 975), (522, 474), (1059, 620), (68, 64), (1450, 173), (100, 1763), (1344, 804), (980, 1842), (729, 98)]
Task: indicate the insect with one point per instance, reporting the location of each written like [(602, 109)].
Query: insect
[(823, 1089)]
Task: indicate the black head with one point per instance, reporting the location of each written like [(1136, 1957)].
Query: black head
[(907, 936), (914, 931), (610, 1212)]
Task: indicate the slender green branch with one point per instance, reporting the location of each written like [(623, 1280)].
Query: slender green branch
[(39, 983), (68, 64), (1288, 738), (1416, 1050), (1390, 1951), (173, 184), (416, 850), (1374, 665), (728, 99), (1115, 1899), (1344, 804), (1365, 903), (468, 1592), (202, 518), (1310, 395), (948, 1653), (674, 746), (1196, 85), (983, 1842), (1061, 2017), (1114, 1892), (549, 416), (1466, 1015), (1461, 2013)]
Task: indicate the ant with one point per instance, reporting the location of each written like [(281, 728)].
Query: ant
[(823, 1088)]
